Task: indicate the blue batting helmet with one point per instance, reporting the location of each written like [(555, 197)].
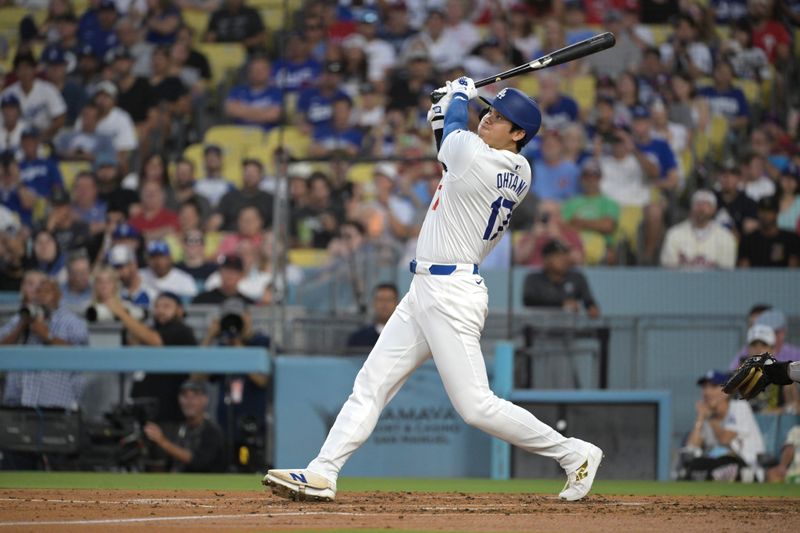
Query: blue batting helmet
[(519, 108)]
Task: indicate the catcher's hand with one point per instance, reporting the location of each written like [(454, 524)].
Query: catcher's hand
[(750, 378)]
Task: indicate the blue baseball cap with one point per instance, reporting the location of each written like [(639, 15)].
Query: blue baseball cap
[(54, 55), (519, 108), (157, 248), (125, 231), (30, 131), (9, 100), (714, 377), (640, 111)]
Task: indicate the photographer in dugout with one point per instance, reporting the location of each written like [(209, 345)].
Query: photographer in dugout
[(168, 329), (242, 405)]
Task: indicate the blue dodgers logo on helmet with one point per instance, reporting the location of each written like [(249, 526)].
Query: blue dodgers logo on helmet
[(519, 108)]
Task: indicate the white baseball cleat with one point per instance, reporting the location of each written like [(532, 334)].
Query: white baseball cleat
[(579, 482), (300, 485)]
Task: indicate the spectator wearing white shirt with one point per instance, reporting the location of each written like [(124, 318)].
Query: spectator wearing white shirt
[(40, 101), (464, 32), (442, 45), (12, 124), (699, 242), (213, 185), (162, 276), (381, 56), (114, 123), (683, 52)]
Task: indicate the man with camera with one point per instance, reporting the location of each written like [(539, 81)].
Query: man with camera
[(198, 444), (44, 321), (123, 258), (241, 410), (168, 329)]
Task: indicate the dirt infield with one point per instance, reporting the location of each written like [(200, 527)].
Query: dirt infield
[(133, 511)]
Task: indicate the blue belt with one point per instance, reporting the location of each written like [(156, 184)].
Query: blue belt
[(439, 270)]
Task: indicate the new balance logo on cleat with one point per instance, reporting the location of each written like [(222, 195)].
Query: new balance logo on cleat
[(299, 477)]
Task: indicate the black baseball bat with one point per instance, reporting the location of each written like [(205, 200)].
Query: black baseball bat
[(592, 45)]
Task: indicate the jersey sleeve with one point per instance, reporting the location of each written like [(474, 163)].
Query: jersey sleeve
[(56, 105), (458, 151)]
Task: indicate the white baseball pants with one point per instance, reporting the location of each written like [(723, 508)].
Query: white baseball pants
[(442, 316)]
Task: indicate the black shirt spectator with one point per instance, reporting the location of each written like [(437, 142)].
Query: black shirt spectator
[(197, 445), (557, 285), (384, 302), (137, 100), (169, 329), (227, 212), (231, 272), (236, 23), (769, 246)]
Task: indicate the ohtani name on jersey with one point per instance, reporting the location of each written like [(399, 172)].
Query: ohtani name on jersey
[(511, 180)]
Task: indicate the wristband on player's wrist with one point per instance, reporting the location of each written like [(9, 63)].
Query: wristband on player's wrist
[(778, 373)]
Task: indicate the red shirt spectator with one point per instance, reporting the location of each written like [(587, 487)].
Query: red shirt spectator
[(769, 36), (155, 221)]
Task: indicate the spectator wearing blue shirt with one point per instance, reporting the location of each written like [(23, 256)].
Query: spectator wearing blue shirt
[(555, 178), (298, 70), (100, 33), (86, 204), (256, 103), (725, 99), (315, 104), (340, 138), (162, 22), (14, 194), (41, 175), (657, 150), (557, 108)]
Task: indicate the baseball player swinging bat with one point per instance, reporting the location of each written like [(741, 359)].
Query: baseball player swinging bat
[(442, 315), (586, 47)]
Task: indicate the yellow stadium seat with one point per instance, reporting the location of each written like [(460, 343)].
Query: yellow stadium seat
[(224, 59), (702, 146), (751, 90), (308, 257), (661, 33), (529, 85), (686, 162), (594, 247), (11, 16), (294, 140), (361, 173), (630, 217), (194, 153), (197, 20), (231, 135), (582, 89), (70, 169), (274, 18), (717, 133), (259, 153), (232, 168)]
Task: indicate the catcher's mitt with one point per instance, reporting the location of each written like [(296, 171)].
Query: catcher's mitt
[(754, 374)]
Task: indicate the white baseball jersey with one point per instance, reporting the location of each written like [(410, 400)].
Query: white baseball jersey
[(473, 203)]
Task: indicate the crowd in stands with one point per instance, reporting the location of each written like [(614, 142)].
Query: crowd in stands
[(124, 122)]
